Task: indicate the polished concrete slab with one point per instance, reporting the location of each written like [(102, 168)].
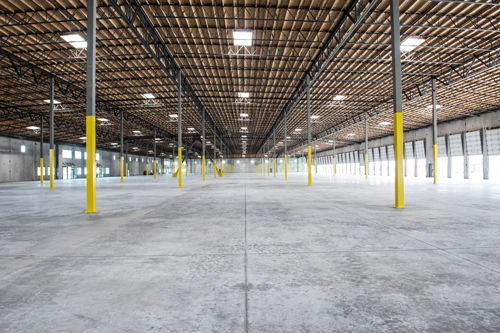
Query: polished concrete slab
[(250, 253)]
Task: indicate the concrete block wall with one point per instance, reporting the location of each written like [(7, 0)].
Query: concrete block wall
[(18, 166)]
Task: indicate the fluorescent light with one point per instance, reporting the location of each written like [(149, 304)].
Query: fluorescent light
[(338, 97), (34, 128), (137, 132), (243, 95), (298, 129), (148, 95), (314, 117), (384, 123), (410, 43), (288, 137), (331, 141), (242, 37), (83, 138), (243, 136), (48, 101), (114, 144), (75, 40), (350, 134), (173, 115), (243, 115), (102, 119), (265, 156), (437, 106), (244, 128)]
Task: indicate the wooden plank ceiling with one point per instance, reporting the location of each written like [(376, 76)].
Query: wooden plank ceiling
[(287, 37)]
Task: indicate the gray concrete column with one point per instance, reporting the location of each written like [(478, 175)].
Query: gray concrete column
[(486, 159), (466, 155)]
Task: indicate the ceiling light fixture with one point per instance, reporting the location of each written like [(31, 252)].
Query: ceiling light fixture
[(243, 94), (410, 43), (190, 128), (148, 95), (243, 115), (173, 115), (384, 123), (314, 117), (242, 37), (244, 128), (48, 101), (298, 129), (76, 40), (338, 97), (102, 119), (33, 128), (350, 134)]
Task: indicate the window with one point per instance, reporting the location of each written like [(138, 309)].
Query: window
[(97, 156), (67, 153), (136, 159), (143, 160), (107, 171), (79, 171), (114, 157), (130, 159), (78, 155), (23, 149), (85, 171)]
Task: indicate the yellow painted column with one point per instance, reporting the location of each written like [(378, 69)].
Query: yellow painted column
[(154, 170), (147, 169), (126, 169), (41, 170), (179, 170), (366, 166), (51, 168), (203, 175), (309, 166), (398, 156), (286, 167), (435, 152), (91, 164), (121, 170), (274, 169)]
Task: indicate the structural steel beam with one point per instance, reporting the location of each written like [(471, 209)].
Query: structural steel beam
[(41, 78), (138, 21), (355, 12), (446, 79)]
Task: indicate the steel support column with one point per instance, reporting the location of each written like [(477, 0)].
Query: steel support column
[(203, 166), (179, 129), (399, 201), (121, 148), (126, 163), (51, 152), (309, 157), (41, 150), (90, 114), (154, 153), (448, 151), (434, 131), (466, 155), (366, 147), (286, 152), (334, 160)]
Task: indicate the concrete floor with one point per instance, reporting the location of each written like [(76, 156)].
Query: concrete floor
[(249, 253)]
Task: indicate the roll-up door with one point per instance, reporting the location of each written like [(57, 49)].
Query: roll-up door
[(473, 141), (376, 155), (419, 149), (361, 159), (383, 153), (456, 145), (390, 153), (356, 157), (351, 157), (408, 150), (441, 142), (493, 142)]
